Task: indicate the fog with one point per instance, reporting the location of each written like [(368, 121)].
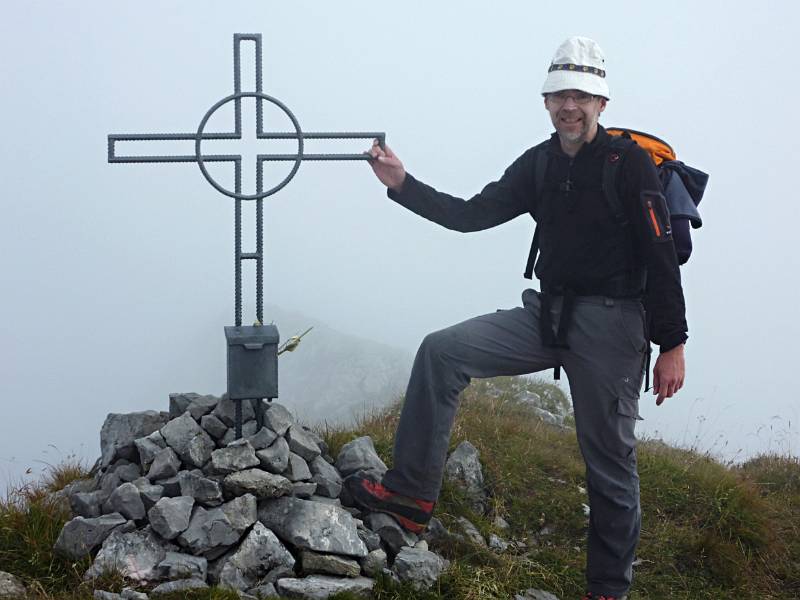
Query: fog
[(117, 279)]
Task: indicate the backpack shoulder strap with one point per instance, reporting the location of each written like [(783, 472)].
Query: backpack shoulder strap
[(618, 146), (540, 170)]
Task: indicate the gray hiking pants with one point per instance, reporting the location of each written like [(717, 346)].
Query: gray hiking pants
[(605, 366)]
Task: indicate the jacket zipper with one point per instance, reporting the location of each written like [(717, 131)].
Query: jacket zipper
[(653, 218)]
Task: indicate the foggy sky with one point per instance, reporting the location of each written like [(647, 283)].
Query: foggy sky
[(116, 279)]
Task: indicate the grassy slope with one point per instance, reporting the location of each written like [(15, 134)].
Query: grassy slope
[(708, 531)]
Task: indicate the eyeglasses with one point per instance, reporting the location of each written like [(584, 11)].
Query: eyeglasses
[(580, 98)]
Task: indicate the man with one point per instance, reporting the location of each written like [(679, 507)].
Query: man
[(595, 269)]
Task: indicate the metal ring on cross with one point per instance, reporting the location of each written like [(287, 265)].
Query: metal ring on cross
[(199, 138)]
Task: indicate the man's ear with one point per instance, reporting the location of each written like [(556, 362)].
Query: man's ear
[(603, 102)]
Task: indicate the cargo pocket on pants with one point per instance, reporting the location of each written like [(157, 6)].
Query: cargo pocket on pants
[(628, 406)]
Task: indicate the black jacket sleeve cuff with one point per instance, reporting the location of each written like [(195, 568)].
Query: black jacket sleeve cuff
[(673, 342)]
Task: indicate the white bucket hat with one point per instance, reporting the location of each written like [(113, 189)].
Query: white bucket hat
[(579, 64)]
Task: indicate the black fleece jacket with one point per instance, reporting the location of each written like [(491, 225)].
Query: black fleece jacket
[(582, 246)]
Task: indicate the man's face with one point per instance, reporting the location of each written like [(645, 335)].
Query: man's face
[(574, 114)]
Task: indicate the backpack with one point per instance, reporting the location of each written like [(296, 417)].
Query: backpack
[(683, 188)]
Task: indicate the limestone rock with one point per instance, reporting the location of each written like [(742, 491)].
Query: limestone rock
[(10, 587), (534, 594), (225, 411), (312, 526), (237, 456), (103, 595), (86, 504), (182, 585), (213, 426), (419, 567), (218, 528), (359, 455), (302, 443), (201, 406), (263, 438), (177, 565), (148, 447), (471, 532), (127, 501), (178, 403), (204, 490), (463, 468), (390, 531), (192, 444), (275, 458), (249, 428), (321, 587), (328, 564), (127, 472), (170, 516), (303, 489), (262, 484), (298, 469), (327, 478), (119, 432), (374, 563), (135, 555), (261, 557), (131, 594), (165, 464), (277, 417), (497, 543)]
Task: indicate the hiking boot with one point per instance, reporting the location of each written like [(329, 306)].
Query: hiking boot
[(590, 596), (412, 514)]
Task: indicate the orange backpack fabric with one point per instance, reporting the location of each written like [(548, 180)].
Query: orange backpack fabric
[(659, 150)]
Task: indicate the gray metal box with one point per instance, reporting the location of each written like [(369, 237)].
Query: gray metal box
[(252, 361)]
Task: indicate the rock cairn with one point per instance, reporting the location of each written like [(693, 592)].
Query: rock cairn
[(177, 503)]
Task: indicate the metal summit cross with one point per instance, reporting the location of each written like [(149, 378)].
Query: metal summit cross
[(252, 350)]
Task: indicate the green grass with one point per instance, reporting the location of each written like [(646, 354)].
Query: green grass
[(709, 531)]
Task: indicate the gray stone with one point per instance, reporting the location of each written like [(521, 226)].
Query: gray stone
[(131, 594), (127, 501), (119, 432), (302, 443), (303, 489), (178, 403), (170, 516), (225, 411), (213, 426), (534, 594), (298, 469), (204, 490), (328, 564), (497, 543), (189, 440), (103, 595), (182, 585), (390, 531), (171, 486), (463, 469), (321, 587), (471, 531), (327, 478), (261, 557), (263, 438), (148, 447), (134, 555), (312, 526), (277, 417), (326, 500), (128, 472), (500, 523), (166, 463), (237, 456), (80, 536), (359, 455), (249, 428), (201, 406), (262, 484), (149, 492), (371, 539), (86, 504), (177, 565), (275, 459), (374, 563), (107, 483), (266, 590), (10, 587), (421, 568), (210, 530)]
